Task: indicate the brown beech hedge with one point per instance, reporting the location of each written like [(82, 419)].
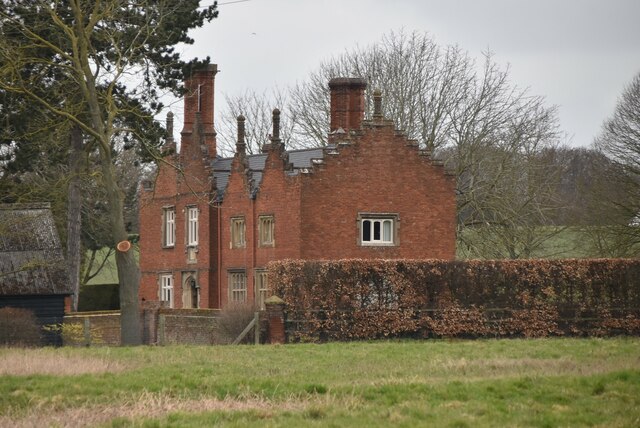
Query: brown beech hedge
[(369, 299)]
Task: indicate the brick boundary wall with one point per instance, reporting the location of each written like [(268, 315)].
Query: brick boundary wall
[(91, 328), (187, 326), (161, 326)]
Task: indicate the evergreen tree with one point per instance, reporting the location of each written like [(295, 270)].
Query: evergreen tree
[(96, 66)]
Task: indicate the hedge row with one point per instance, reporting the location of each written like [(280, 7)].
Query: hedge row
[(367, 299), (19, 327)]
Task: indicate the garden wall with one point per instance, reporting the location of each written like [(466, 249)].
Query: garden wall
[(91, 328), (160, 326), (187, 326), (368, 299)]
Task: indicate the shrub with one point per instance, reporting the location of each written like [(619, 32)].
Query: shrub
[(232, 320), (73, 334), (368, 299), (18, 327)]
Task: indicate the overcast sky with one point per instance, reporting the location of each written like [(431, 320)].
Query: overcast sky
[(578, 54)]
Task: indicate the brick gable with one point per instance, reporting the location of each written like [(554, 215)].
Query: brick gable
[(378, 171)]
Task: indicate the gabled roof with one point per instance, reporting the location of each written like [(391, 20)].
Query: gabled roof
[(300, 160), (31, 260)]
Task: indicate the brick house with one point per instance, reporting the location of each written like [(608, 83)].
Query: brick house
[(209, 225)]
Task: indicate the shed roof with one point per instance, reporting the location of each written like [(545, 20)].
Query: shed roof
[(31, 260)]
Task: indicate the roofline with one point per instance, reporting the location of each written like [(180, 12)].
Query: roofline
[(36, 295), (266, 154)]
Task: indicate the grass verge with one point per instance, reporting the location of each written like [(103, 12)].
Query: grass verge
[(542, 382)]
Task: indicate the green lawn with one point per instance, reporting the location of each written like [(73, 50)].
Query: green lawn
[(558, 242), (542, 382)]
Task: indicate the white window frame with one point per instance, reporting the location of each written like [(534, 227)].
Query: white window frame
[(237, 286), (261, 287), (167, 290), (192, 226), (378, 229), (266, 231), (238, 232), (169, 227)]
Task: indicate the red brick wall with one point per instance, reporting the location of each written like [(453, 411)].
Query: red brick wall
[(184, 180), (104, 328), (188, 327), (182, 183), (154, 258), (209, 279), (279, 195), (378, 173), (316, 214), (236, 203)]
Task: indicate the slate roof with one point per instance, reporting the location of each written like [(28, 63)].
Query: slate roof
[(31, 260), (299, 159)]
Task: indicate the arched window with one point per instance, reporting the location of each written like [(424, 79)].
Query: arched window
[(195, 293)]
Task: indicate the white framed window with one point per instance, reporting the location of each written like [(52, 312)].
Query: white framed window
[(169, 227), (166, 288), (266, 227), (378, 229), (238, 232), (192, 226), (237, 286), (261, 287)]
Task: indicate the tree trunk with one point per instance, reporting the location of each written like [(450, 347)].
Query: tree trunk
[(74, 214), (128, 272)]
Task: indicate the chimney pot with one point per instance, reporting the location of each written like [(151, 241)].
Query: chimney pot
[(199, 99), (169, 146), (169, 127), (347, 103), (276, 126), (240, 145), (377, 104)]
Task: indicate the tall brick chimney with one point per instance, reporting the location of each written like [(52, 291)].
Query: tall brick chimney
[(347, 103), (199, 97)]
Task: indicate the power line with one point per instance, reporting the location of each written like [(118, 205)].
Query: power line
[(231, 2), (225, 3)]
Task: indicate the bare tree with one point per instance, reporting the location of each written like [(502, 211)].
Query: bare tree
[(257, 109), (418, 79), (620, 143), (487, 130), (504, 192)]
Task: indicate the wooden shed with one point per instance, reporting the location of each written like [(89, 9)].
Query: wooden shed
[(33, 271)]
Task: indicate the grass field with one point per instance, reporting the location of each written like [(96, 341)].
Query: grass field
[(551, 242), (545, 382)]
